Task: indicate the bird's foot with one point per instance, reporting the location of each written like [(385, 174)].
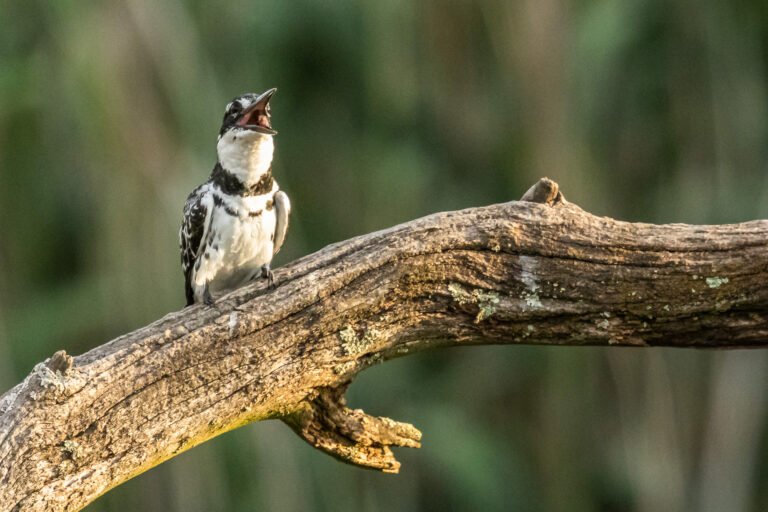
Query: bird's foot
[(267, 274), (207, 297)]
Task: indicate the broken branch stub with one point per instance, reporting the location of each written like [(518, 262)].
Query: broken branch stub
[(351, 436)]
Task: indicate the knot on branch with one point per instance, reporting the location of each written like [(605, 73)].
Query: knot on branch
[(60, 362), (351, 435), (52, 372), (544, 191), (56, 377)]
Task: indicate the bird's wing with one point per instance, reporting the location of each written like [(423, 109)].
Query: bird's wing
[(191, 235), (283, 211)]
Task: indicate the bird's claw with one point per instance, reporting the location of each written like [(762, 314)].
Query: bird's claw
[(207, 297), (267, 274)]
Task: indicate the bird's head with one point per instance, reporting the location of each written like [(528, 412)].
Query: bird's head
[(245, 144), (248, 115)]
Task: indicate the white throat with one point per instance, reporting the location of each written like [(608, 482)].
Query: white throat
[(246, 154)]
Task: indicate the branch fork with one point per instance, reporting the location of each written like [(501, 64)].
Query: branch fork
[(351, 435)]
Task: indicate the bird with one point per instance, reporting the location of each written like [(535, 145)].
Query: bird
[(235, 222)]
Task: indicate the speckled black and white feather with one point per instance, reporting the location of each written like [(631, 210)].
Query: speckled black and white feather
[(191, 234)]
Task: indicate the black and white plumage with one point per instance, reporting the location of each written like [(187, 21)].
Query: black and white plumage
[(235, 222)]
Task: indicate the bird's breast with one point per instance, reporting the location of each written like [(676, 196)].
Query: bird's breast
[(244, 234), (241, 241)]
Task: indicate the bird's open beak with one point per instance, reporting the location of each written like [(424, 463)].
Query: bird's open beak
[(256, 117)]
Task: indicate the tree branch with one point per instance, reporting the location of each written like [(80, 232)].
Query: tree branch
[(511, 273)]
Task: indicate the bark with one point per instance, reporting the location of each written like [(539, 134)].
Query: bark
[(542, 272)]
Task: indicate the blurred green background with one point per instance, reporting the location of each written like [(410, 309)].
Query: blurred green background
[(644, 110)]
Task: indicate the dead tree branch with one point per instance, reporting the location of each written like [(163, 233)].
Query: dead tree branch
[(512, 273)]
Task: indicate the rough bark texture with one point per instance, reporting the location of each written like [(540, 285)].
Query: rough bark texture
[(512, 273)]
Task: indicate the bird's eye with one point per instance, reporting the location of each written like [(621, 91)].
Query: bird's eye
[(236, 108)]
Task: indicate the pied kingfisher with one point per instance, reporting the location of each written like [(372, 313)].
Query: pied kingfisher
[(235, 222)]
